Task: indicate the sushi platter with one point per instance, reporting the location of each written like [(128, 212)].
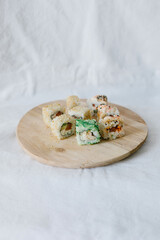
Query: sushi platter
[(87, 134)]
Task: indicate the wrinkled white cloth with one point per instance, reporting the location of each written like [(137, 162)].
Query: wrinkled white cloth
[(51, 49)]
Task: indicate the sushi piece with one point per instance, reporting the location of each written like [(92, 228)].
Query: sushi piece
[(51, 111), (105, 110), (95, 101), (80, 112), (63, 126), (72, 101), (111, 127), (87, 132)]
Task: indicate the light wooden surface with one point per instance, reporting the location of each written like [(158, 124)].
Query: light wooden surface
[(37, 140)]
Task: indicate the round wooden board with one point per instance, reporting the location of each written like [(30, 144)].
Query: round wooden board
[(37, 140)]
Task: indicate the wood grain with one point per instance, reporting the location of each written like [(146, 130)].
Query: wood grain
[(37, 140)]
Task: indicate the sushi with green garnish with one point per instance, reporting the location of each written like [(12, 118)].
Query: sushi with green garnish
[(87, 132)]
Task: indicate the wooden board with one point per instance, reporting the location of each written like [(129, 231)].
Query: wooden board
[(37, 140)]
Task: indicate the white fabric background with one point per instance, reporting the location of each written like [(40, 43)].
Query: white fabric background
[(50, 49)]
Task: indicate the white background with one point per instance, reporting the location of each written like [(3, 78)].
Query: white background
[(48, 50)]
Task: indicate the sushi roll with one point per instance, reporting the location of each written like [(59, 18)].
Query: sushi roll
[(105, 110), (51, 111), (63, 126), (111, 127), (80, 112), (72, 101), (87, 132), (95, 101)]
